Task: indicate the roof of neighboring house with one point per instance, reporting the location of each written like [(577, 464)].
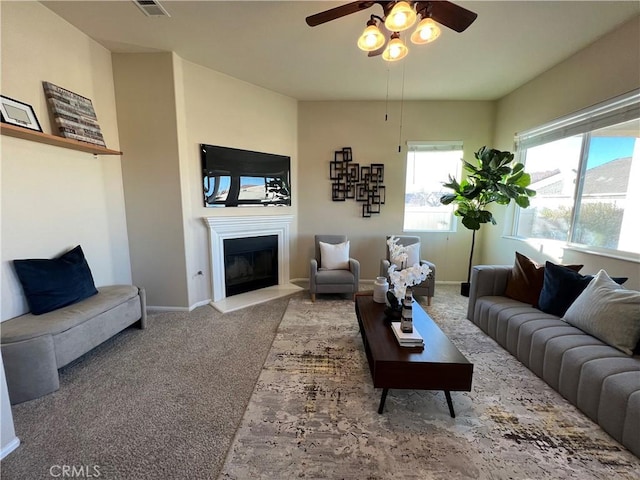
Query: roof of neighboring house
[(610, 177)]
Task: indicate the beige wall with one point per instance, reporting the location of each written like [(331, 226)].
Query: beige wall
[(328, 126), (147, 119), (162, 124), (605, 69), (54, 198), (221, 110)]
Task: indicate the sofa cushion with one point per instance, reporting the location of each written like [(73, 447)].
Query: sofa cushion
[(609, 312), (55, 283), (560, 288), (29, 326), (334, 277), (526, 279), (618, 390)]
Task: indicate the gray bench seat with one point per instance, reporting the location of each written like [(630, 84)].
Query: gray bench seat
[(34, 347)]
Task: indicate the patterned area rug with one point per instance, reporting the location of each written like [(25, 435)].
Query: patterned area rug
[(313, 412)]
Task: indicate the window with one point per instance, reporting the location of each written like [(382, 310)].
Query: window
[(429, 165), (585, 170)]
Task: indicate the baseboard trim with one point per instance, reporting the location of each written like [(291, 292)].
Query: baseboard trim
[(153, 308), (372, 281), (200, 304), (9, 447)]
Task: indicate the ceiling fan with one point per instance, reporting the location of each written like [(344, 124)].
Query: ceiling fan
[(399, 16)]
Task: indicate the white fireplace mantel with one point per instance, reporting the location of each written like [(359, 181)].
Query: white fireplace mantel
[(222, 228)]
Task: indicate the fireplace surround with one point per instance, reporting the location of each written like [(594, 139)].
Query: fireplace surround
[(222, 228)]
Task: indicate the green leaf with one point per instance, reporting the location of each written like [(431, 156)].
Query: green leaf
[(471, 223), (514, 178), (524, 180), (518, 167), (447, 198), (485, 216), (522, 201)]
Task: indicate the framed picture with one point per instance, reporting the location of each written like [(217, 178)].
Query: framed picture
[(18, 113)]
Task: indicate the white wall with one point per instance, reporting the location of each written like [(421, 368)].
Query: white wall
[(54, 198), (8, 440), (605, 69), (328, 126)]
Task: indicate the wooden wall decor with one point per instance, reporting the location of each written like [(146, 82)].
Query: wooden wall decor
[(362, 183)]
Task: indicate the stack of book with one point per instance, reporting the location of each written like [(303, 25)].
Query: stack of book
[(413, 339)]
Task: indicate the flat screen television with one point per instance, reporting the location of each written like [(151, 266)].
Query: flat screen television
[(235, 178)]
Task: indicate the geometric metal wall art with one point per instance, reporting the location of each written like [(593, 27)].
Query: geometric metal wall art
[(362, 183)]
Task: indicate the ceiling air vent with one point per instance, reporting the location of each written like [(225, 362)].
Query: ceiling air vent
[(151, 8)]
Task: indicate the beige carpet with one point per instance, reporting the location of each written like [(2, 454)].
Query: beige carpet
[(313, 412), (157, 404)]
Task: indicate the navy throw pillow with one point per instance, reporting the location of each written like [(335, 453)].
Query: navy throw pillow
[(562, 286), (52, 284)]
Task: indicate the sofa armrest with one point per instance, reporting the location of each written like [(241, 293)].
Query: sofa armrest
[(487, 280)]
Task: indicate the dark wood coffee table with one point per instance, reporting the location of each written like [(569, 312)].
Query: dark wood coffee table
[(439, 366)]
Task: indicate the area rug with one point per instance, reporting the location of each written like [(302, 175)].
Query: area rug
[(313, 412)]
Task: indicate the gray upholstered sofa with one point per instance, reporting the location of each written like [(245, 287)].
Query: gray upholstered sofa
[(600, 380), (34, 347)]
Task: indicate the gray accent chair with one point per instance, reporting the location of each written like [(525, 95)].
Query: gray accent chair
[(332, 281), (426, 288)]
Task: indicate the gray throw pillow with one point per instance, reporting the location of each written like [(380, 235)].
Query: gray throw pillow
[(609, 312)]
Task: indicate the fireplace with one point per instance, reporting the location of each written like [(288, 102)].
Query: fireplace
[(250, 263), (223, 228)]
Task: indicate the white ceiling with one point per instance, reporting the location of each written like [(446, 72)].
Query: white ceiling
[(269, 44)]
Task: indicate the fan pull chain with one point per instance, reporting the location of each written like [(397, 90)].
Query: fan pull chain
[(386, 104), (401, 111)]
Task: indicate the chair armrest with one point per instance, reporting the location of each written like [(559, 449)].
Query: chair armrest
[(432, 267), (354, 266), (487, 280), (313, 271), (384, 268)]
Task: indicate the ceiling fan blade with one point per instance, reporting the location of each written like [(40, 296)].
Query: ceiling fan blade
[(450, 15), (337, 12)]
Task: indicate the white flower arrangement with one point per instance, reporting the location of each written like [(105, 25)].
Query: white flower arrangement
[(407, 277)]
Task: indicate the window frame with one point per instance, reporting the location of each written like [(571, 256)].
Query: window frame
[(618, 110), (432, 146)]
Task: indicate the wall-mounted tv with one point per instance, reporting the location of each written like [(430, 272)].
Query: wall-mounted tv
[(234, 177)]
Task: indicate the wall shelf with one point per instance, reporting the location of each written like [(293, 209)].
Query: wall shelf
[(26, 134)]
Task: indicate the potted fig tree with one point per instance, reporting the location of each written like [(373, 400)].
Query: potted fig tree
[(495, 179)]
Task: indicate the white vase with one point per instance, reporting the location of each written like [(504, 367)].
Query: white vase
[(380, 288)]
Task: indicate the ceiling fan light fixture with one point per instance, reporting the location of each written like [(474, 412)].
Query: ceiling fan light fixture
[(372, 38), (401, 17), (426, 31), (396, 49)]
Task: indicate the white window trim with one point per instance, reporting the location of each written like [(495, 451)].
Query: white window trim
[(617, 110), (433, 146)]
